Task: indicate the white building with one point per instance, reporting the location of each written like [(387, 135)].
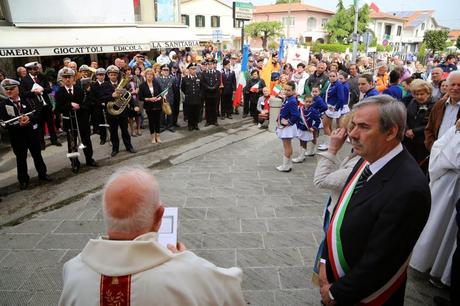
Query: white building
[(32, 30), (415, 25), (211, 20), (387, 28)]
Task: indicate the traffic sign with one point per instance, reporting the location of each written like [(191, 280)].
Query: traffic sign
[(385, 42)]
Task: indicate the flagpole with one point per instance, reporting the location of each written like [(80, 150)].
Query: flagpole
[(355, 34)]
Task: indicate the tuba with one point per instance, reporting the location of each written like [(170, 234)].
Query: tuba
[(117, 106)]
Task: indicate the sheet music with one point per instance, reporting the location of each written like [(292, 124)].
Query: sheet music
[(168, 230), (10, 110)]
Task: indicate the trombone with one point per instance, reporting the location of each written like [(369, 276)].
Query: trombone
[(73, 147), (15, 120)]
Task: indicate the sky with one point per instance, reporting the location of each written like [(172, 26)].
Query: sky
[(446, 11)]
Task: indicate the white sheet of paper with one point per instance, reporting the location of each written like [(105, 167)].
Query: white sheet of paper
[(10, 110), (36, 86), (168, 230)]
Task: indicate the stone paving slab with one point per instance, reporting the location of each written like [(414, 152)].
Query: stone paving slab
[(234, 210)]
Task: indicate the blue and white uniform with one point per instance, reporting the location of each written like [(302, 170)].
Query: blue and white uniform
[(290, 112), (335, 99), (310, 118)]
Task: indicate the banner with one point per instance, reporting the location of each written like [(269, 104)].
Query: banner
[(298, 55)]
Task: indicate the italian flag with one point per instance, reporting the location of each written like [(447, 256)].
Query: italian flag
[(254, 88), (164, 93), (301, 99), (242, 79), (276, 90)]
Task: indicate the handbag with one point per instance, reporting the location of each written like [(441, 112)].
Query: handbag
[(166, 108)]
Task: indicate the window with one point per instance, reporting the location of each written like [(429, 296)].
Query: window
[(166, 11), (237, 23), (287, 21), (200, 21), (323, 22), (398, 31), (388, 28), (185, 19), (416, 33), (311, 24), (215, 21), (423, 27)]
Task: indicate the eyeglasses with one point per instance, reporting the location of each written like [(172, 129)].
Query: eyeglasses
[(164, 69)]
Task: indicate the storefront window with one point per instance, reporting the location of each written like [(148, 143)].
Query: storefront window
[(167, 11)]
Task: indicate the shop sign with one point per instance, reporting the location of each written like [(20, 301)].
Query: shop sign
[(51, 51), (175, 44)]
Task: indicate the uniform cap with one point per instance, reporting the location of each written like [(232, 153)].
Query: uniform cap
[(84, 68), (31, 65), (67, 72), (9, 83), (100, 71), (191, 65), (113, 68)]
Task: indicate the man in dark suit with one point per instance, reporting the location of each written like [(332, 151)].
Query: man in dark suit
[(176, 73), (191, 88), (210, 82), (39, 95), (380, 213), (23, 132), (108, 93), (99, 106), (72, 103), (229, 82)]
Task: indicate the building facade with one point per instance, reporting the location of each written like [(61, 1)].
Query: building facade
[(124, 26), (302, 22), (211, 21), (387, 28)]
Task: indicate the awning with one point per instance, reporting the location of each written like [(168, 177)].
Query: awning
[(24, 42)]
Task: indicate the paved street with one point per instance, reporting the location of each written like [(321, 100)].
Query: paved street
[(235, 210)]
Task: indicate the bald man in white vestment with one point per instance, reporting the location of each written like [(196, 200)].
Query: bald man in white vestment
[(129, 266)]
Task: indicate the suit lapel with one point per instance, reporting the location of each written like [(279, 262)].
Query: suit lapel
[(377, 181)]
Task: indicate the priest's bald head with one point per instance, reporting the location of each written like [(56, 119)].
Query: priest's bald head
[(131, 203)]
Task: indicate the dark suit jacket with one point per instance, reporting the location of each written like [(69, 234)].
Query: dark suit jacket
[(64, 107), (26, 85), (144, 92), (106, 96), (229, 82), (210, 82), (380, 228)]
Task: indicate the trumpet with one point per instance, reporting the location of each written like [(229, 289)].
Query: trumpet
[(15, 120)]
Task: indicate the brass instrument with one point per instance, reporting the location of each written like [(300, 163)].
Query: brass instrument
[(117, 106), (14, 120)]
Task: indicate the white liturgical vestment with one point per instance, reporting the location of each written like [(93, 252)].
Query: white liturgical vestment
[(436, 244), (143, 272)]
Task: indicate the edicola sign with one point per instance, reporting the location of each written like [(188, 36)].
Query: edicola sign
[(242, 10)]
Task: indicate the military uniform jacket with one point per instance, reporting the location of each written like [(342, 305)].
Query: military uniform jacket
[(18, 133), (26, 85), (64, 107), (192, 90), (210, 82), (167, 82)]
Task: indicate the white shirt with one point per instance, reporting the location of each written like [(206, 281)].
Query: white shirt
[(163, 59), (382, 161), (450, 117)]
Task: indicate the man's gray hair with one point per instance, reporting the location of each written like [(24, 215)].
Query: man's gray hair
[(391, 112), (141, 216), (452, 75)]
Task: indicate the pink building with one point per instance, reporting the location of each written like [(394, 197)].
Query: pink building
[(304, 22)]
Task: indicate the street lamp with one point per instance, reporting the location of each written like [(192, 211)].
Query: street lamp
[(355, 33)]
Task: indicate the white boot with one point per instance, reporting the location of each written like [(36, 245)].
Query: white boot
[(325, 145), (311, 149), (286, 166), (301, 156)]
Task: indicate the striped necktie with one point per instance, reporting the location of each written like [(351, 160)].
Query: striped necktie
[(362, 179)]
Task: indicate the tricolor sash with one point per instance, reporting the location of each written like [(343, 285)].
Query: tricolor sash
[(335, 250)]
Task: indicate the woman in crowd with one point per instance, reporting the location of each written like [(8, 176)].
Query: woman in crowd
[(156, 69), (287, 129), (263, 107), (418, 112), (443, 87), (335, 100), (253, 90), (381, 82), (148, 94)]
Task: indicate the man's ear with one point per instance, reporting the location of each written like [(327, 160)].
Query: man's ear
[(157, 216), (392, 133)]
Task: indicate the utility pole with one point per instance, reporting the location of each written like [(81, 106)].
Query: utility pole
[(289, 21), (355, 33)]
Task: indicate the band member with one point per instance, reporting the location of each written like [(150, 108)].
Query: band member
[(99, 106), (36, 86), (109, 94), (229, 83), (167, 82), (191, 88), (72, 103), (176, 73), (24, 134), (210, 82)]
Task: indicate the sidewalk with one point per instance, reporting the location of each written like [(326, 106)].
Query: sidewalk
[(235, 209)]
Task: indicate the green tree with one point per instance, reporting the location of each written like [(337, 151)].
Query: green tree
[(287, 1), (264, 30), (435, 40), (457, 44), (341, 25)]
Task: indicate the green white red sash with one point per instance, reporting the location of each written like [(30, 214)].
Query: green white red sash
[(335, 250)]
